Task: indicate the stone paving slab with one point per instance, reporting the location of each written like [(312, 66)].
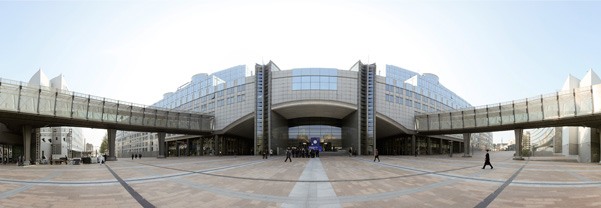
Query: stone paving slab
[(545, 176), (515, 196), (56, 196), (249, 181)]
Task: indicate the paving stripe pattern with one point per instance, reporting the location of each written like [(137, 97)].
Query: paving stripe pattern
[(131, 191), (496, 193), (28, 186), (309, 191)]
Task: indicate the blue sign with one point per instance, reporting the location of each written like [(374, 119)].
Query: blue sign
[(315, 144)]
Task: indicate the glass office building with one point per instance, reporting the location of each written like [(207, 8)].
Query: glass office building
[(268, 109)]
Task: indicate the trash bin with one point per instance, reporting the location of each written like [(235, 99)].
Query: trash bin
[(76, 161)]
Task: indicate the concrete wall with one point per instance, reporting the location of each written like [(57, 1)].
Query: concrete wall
[(350, 132), (557, 140), (588, 145), (570, 140)]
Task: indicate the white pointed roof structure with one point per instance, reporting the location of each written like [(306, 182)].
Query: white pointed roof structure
[(590, 79), (570, 83), (40, 79), (59, 83)]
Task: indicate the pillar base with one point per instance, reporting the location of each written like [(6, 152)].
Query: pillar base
[(518, 158), (26, 163), (161, 157), (111, 158)]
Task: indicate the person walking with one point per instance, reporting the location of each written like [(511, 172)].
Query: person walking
[(487, 161), (263, 154), (288, 153), (100, 159), (350, 152), (132, 156), (416, 151), (140, 156), (377, 156)]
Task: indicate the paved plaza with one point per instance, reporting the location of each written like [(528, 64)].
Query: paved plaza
[(329, 181)]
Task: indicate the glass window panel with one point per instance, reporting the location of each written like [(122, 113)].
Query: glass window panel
[(422, 122), (494, 117), (324, 86), (507, 114), (314, 72), (296, 86), (314, 85), (434, 124), (124, 112), (566, 104), (29, 100), (519, 109), (306, 79), (296, 79), (95, 110), (550, 106), (333, 79), (324, 79), (80, 107), (457, 120), (9, 97), (445, 121), (333, 86), (314, 79), (137, 116), (47, 103), (468, 119), (306, 85), (149, 117), (584, 101)]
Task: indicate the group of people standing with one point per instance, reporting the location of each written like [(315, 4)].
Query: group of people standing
[(137, 156), (301, 153)]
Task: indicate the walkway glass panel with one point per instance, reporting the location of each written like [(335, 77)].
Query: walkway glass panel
[(570, 104), (22, 98)]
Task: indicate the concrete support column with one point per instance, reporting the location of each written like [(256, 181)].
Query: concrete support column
[(216, 152), (162, 149), (440, 147), (467, 138), (413, 145), (26, 144), (451, 148), (177, 148), (112, 134), (201, 144), (188, 146), (518, 144), (429, 146)]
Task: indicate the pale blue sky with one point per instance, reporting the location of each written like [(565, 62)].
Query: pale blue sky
[(486, 52)]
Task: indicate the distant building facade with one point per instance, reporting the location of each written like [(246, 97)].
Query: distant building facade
[(266, 108), (56, 141)]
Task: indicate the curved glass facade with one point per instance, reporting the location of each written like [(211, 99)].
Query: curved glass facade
[(314, 79)]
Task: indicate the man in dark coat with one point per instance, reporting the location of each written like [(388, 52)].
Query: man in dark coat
[(288, 153), (487, 161)]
